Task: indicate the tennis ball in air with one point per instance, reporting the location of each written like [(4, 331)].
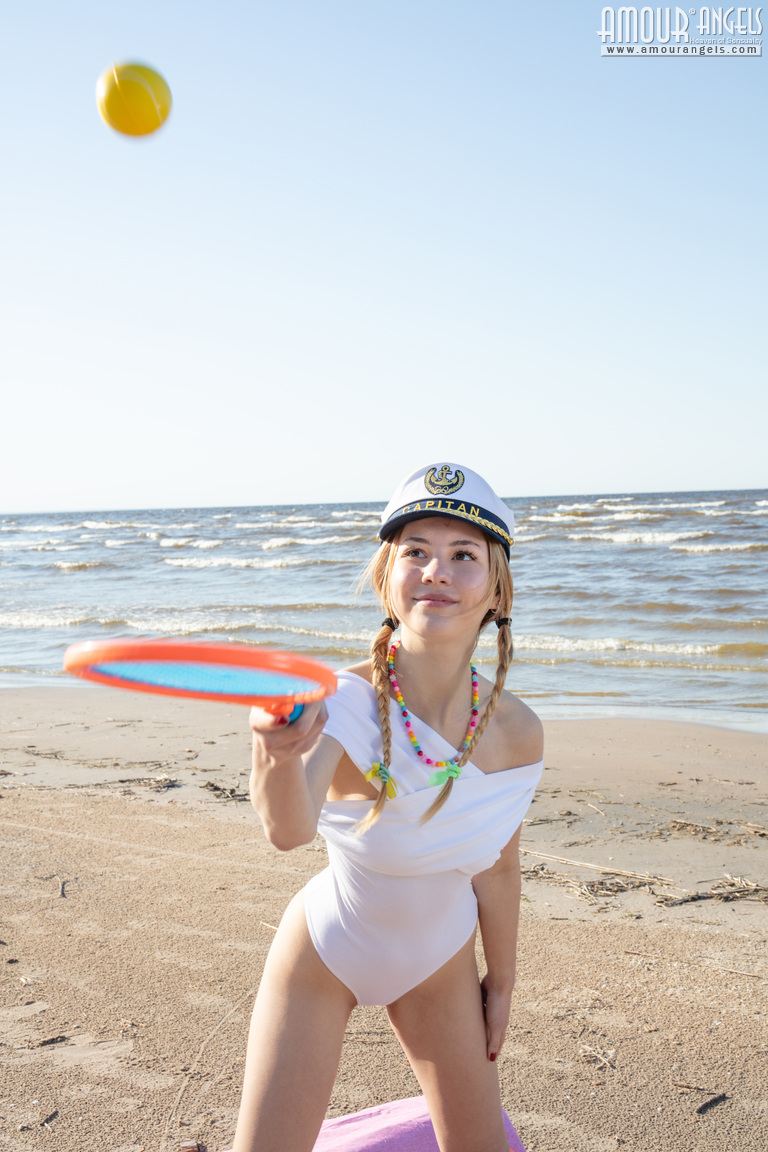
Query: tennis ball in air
[(133, 99)]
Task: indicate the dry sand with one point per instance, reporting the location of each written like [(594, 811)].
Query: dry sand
[(136, 915)]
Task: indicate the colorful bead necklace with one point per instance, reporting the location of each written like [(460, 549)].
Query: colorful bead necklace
[(450, 768)]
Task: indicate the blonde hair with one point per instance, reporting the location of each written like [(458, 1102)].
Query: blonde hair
[(377, 574)]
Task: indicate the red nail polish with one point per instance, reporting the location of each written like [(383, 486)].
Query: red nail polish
[(492, 1056)]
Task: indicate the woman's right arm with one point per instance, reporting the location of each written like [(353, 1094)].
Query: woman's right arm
[(293, 765)]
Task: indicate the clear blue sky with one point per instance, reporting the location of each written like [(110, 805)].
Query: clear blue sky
[(374, 235)]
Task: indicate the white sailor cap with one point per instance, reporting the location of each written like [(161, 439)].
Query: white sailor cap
[(448, 490)]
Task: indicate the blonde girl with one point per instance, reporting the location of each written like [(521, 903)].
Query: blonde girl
[(418, 773)]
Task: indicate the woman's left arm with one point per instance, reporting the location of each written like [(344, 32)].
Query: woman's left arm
[(498, 902)]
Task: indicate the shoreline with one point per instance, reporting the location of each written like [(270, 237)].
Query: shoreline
[(139, 899), (731, 721)]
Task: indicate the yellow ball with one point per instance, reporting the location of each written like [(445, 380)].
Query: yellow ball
[(133, 99)]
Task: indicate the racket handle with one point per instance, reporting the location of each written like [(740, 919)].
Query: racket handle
[(292, 715)]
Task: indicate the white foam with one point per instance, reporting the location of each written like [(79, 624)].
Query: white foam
[(553, 643), (176, 541), (78, 565), (235, 562), (554, 518), (628, 537), (290, 541), (574, 507), (357, 517), (41, 620), (279, 542), (44, 528), (635, 515), (755, 546)]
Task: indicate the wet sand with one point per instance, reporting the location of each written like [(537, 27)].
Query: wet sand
[(138, 899)]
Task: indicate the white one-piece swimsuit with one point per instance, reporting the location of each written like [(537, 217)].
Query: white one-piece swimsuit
[(395, 903)]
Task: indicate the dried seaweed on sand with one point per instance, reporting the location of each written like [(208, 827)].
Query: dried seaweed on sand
[(727, 889)]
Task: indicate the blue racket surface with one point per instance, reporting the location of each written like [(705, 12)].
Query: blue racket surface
[(210, 679)]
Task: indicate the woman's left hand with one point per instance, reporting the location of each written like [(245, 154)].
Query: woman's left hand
[(496, 1006)]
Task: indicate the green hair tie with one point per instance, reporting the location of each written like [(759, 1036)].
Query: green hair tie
[(438, 778), (383, 773)]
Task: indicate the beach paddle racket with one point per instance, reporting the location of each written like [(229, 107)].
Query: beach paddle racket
[(280, 682)]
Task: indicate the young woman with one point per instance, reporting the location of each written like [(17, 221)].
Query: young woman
[(418, 773)]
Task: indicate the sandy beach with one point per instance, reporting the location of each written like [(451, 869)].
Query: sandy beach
[(139, 899)]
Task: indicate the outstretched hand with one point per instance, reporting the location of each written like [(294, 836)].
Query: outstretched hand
[(496, 1006), (278, 739)]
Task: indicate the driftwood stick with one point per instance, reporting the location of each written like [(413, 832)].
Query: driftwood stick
[(598, 867)]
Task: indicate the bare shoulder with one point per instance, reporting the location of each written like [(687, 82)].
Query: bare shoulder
[(363, 670), (521, 728)]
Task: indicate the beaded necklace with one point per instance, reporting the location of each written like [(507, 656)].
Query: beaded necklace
[(450, 768)]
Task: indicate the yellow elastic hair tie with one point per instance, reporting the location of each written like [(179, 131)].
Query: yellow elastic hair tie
[(383, 774)]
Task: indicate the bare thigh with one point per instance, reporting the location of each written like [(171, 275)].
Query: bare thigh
[(441, 1027), (294, 1046)]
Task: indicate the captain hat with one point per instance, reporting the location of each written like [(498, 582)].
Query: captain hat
[(448, 490)]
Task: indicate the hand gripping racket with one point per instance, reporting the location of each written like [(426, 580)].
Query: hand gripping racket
[(279, 682)]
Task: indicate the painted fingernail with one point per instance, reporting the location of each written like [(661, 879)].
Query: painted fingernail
[(492, 1056), (281, 721)]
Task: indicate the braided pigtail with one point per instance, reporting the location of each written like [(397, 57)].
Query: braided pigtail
[(380, 681), (499, 571)]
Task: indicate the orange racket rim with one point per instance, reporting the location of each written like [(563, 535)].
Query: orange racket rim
[(80, 658)]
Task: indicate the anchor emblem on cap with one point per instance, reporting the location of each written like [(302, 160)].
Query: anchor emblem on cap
[(442, 483)]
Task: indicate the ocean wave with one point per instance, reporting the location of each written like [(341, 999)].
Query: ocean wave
[(607, 517), (679, 506), (297, 630), (753, 546), (704, 624), (628, 537), (555, 643), (592, 507), (553, 518), (276, 525), (62, 619), (95, 525), (238, 562), (635, 515), (735, 512), (177, 541), (356, 514), (80, 565), (283, 525), (41, 546), (23, 528), (293, 541), (695, 666)]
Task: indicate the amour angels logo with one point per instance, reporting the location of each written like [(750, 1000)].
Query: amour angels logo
[(442, 483)]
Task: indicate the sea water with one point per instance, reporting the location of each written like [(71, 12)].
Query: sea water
[(625, 605)]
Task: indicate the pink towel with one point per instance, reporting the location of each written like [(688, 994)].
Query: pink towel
[(400, 1126)]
